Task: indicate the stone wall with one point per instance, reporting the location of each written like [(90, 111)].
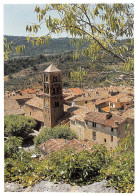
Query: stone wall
[(103, 133)]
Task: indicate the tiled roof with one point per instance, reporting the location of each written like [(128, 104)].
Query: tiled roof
[(11, 106), (28, 91), (24, 96), (76, 91), (106, 109), (35, 102), (60, 144), (129, 113), (52, 68), (101, 118), (38, 115)]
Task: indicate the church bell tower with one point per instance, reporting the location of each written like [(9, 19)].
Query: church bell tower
[(53, 98)]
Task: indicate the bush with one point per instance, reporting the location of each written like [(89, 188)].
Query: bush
[(63, 132), (11, 146), (76, 168), (18, 125), (120, 168), (66, 165)]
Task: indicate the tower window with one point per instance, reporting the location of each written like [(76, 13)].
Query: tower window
[(55, 79), (104, 140), (53, 90), (94, 135), (56, 104), (46, 78), (111, 138), (57, 90)]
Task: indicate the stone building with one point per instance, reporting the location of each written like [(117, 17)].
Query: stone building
[(102, 128), (53, 98), (34, 109)]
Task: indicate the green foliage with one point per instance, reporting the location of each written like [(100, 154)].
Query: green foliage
[(76, 167), (80, 20), (8, 46), (63, 132), (18, 125), (67, 165), (11, 146), (78, 75), (120, 168), (85, 167)]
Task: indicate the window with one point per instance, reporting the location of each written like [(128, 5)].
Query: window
[(86, 122), (30, 113), (46, 78), (94, 135), (57, 90), (85, 102), (112, 129), (53, 90), (55, 79), (94, 124), (104, 140), (111, 138), (56, 104)]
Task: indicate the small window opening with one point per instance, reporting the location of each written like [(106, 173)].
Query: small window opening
[(53, 90), (94, 135), (94, 124), (56, 104)]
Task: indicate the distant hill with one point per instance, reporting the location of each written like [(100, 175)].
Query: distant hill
[(55, 46), (25, 70)]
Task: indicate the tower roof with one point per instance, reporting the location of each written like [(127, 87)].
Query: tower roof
[(52, 68)]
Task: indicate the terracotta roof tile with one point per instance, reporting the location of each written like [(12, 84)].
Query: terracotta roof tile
[(28, 91), (106, 109), (11, 106), (76, 91), (60, 144), (35, 102), (101, 118)]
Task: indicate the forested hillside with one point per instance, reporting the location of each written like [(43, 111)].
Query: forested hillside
[(26, 70)]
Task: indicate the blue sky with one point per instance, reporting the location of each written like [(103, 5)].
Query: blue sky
[(17, 16)]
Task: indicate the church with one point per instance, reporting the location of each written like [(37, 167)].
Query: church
[(48, 110)]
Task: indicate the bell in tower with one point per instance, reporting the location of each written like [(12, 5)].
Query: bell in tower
[(53, 98)]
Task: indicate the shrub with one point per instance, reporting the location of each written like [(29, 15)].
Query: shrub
[(76, 168), (18, 125), (120, 168), (11, 146), (62, 131), (66, 165)]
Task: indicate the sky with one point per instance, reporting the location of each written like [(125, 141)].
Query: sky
[(17, 16)]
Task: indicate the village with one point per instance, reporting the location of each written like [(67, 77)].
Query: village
[(97, 115)]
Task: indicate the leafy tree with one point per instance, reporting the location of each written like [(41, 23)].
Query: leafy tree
[(63, 132), (78, 75), (18, 125), (11, 146), (99, 24)]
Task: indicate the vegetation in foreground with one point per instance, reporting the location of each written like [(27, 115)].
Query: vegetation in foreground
[(73, 167)]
